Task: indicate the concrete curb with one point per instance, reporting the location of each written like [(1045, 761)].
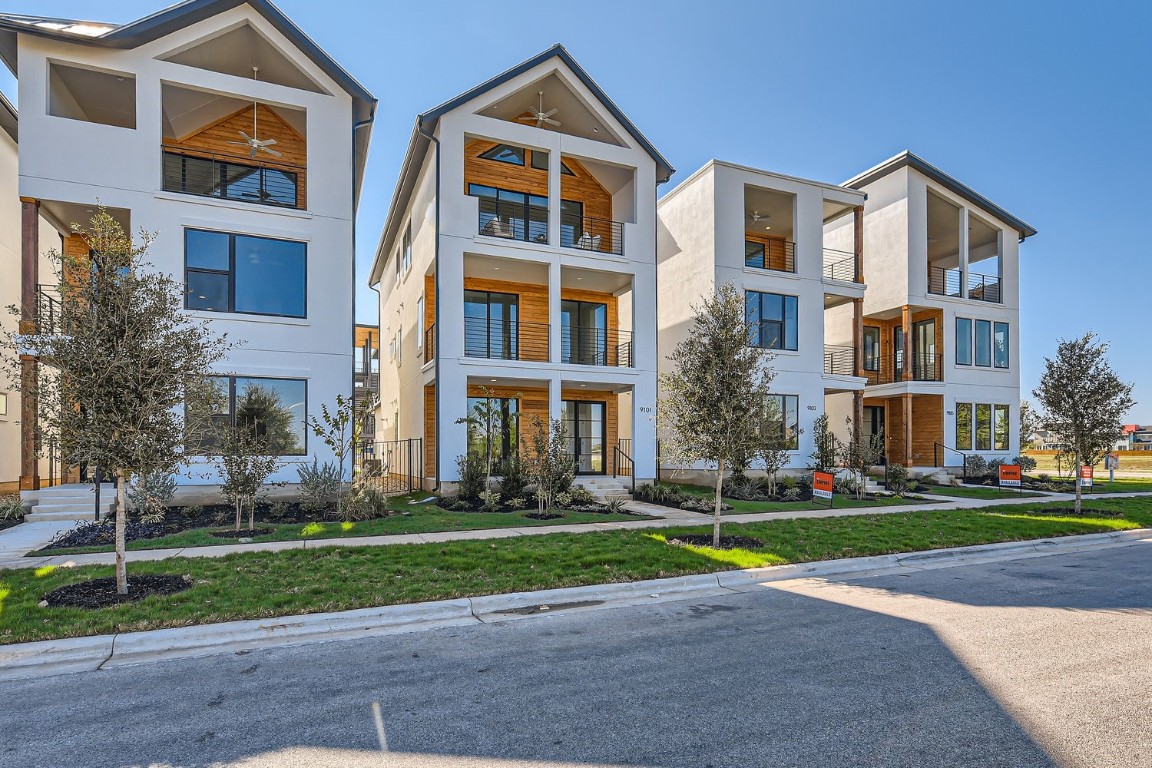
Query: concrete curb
[(58, 657)]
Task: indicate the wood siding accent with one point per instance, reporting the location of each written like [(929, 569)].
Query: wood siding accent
[(429, 300), (775, 250), (370, 334), (430, 431), (532, 313), (213, 139), (581, 187), (886, 327), (927, 427)]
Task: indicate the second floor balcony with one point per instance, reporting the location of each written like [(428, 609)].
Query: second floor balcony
[(505, 339), (840, 265), (232, 177), (926, 366)]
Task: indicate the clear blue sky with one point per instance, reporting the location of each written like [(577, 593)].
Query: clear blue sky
[(1043, 107)]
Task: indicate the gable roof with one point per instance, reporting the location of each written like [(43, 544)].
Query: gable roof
[(9, 119), (907, 159), (166, 21), (429, 119)]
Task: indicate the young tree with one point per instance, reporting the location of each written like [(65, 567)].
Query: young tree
[(1083, 400), (823, 456), (776, 442), (547, 460), (714, 396), (486, 418), (340, 429), (126, 357), (246, 462), (859, 453)]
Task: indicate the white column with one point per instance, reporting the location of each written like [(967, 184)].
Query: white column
[(963, 255), (554, 177), (451, 436), (554, 326), (555, 398)]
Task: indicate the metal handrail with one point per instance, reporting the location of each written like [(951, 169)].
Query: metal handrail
[(839, 360), (48, 309), (776, 255), (618, 454), (505, 339), (591, 234), (944, 281), (233, 177), (984, 288), (940, 451), (840, 265), (590, 345)]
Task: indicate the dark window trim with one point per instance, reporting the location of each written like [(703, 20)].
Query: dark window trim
[(795, 444), (783, 319), (1007, 345), (487, 155), (976, 343), (231, 273), (971, 342), (231, 377), (875, 364)]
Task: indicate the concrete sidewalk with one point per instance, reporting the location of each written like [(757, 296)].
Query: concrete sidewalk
[(16, 542)]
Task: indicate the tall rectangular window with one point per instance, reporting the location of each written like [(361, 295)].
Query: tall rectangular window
[(420, 322), (490, 325), (242, 273), (963, 426), (501, 421), (272, 410), (1000, 345), (771, 319), (984, 343), (963, 341), (1000, 427), (407, 248), (3, 403), (788, 409), (983, 427), (871, 348)]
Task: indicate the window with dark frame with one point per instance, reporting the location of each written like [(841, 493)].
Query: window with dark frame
[(983, 343), (505, 426), (226, 272), (505, 153), (1000, 343), (871, 348), (963, 426), (272, 409), (789, 426), (772, 320), (963, 341)]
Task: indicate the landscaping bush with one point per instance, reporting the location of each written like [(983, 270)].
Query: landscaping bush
[(366, 503), (743, 488), (975, 466), (1026, 463), (319, 485), (473, 475), (614, 506), (702, 505), (581, 497), (517, 503), (791, 494), (11, 508), (513, 482), (660, 494), (898, 479), (150, 496)]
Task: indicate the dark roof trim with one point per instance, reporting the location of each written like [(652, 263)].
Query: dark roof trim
[(907, 159), (169, 20), (428, 119), (9, 119)]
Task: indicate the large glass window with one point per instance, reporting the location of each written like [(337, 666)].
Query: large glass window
[(1000, 428), (573, 226), (963, 341), (510, 214), (771, 319), (498, 417), (787, 407), (984, 343), (585, 428), (242, 273), (1000, 345), (964, 426), (584, 332), (983, 427), (490, 325), (271, 410), (871, 348), (753, 254)]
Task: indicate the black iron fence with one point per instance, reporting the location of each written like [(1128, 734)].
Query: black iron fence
[(392, 466), (591, 234), (505, 339), (47, 309), (778, 255), (233, 178), (840, 265), (926, 366), (839, 360)]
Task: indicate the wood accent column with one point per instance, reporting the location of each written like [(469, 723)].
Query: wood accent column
[(907, 429), (29, 365), (858, 241), (858, 337), (906, 324)]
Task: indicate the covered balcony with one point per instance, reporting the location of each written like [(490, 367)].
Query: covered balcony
[(841, 259), (888, 357), (963, 253), (769, 229)]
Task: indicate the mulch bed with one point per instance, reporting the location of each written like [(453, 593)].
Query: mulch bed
[(726, 542), (245, 533), (544, 515), (101, 593), (10, 522)]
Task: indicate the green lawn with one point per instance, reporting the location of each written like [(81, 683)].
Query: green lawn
[(421, 518), (755, 507), (978, 492), (265, 584)]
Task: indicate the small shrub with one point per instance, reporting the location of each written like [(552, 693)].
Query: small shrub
[(513, 481), (703, 505), (151, 494), (742, 488), (789, 481), (845, 486), (473, 475), (192, 511), (898, 479), (319, 485), (581, 496), (975, 466), (365, 504), (1044, 477), (278, 509), (994, 466), (517, 503), (11, 508), (491, 501), (791, 494), (563, 499), (614, 506), (459, 505), (1026, 463)]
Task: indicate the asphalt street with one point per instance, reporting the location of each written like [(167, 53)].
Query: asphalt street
[(1034, 662)]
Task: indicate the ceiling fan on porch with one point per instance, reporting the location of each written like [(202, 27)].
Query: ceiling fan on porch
[(253, 143), (756, 217), (539, 116)]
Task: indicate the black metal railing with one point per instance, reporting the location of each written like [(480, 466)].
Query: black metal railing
[(513, 220), (839, 360), (591, 234), (984, 288), (940, 453), (583, 345), (777, 255), (48, 308), (392, 466), (840, 265), (623, 465), (944, 281), (925, 367), (430, 343), (234, 178), (505, 339)]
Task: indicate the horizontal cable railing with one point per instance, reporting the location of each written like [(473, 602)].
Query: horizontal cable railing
[(234, 178), (505, 339), (944, 281), (430, 343), (984, 288), (840, 265), (839, 360), (925, 367), (513, 220), (591, 234), (583, 345), (777, 255)]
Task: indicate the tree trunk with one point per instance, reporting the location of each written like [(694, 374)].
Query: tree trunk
[(121, 531), (1076, 479), (716, 509), (252, 513), (238, 507)]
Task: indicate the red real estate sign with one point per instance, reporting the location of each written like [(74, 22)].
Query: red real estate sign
[(1086, 476), (822, 485), (1009, 475)]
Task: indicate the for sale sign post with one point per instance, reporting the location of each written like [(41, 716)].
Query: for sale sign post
[(822, 485), (1009, 475), (1086, 476)]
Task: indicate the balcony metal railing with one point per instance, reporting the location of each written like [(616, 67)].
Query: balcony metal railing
[(777, 255), (430, 343), (840, 265), (513, 220), (47, 309), (505, 339), (925, 367), (984, 288), (944, 281), (839, 360), (232, 177), (590, 234), (596, 346)]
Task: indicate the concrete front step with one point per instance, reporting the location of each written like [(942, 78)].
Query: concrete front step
[(60, 517)]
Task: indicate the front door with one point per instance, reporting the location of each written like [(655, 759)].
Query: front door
[(874, 426), (924, 350), (584, 424), (897, 354)]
